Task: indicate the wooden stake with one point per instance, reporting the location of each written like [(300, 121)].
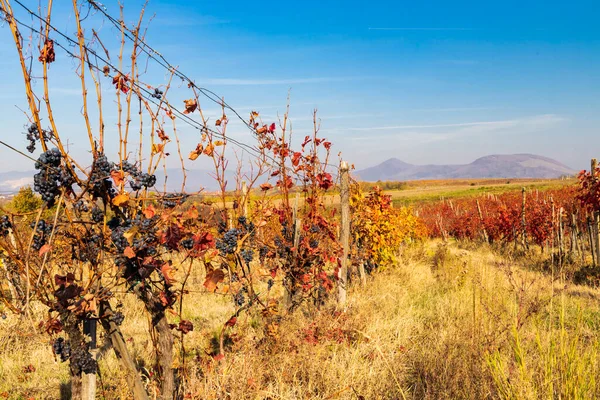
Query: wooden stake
[(345, 231)]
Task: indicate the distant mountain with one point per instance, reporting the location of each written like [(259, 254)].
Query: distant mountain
[(493, 166)]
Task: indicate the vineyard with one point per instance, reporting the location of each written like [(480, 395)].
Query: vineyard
[(114, 287)]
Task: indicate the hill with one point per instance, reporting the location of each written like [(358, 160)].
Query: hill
[(492, 166)]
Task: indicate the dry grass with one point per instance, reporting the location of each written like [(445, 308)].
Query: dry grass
[(445, 322)]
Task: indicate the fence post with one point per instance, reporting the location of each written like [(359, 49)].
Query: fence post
[(344, 231), (523, 222), (484, 232), (132, 377), (88, 382)]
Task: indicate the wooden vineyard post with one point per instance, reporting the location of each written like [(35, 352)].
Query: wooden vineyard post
[(484, 232), (132, 377), (88, 381), (591, 236), (523, 222), (344, 231), (561, 250), (297, 224)]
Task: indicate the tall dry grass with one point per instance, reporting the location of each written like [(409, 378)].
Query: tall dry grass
[(446, 322)]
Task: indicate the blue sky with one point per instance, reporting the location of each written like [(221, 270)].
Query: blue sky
[(426, 82)]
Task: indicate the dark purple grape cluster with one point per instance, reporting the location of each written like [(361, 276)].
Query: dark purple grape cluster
[(270, 284), (263, 251), (5, 225), (51, 177), (42, 232), (119, 239), (117, 318), (83, 361), (97, 214), (248, 255), (239, 298), (228, 243), (62, 349), (283, 249), (158, 94), (187, 244), (313, 243), (100, 184), (89, 248), (33, 135), (143, 180), (81, 205), (315, 229), (170, 200), (247, 225)]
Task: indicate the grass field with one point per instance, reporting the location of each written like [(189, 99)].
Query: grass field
[(446, 321), (422, 191), (419, 191)]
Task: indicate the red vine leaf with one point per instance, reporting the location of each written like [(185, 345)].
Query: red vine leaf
[(185, 326), (167, 272), (129, 252), (44, 249), (150, 211), (212, 279), (118, 177)]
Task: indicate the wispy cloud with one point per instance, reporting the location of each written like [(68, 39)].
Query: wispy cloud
[(289, 81), (533, 120)]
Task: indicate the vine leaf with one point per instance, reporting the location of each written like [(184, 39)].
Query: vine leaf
[(213, 278)]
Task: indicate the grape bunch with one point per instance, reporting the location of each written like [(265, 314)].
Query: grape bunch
[(170, 200), (187, 244), (239, 298), (89, 248), (81, 205), (283, 249), (228, 244), (97, 214), (5, 225), (248, 226), (42, 231), (61, 349), (100, 184), (118, 238), (248, 255), (144, 180), (158, 94), (117, 318), (33, 135), (51, 177), (83, 361)]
